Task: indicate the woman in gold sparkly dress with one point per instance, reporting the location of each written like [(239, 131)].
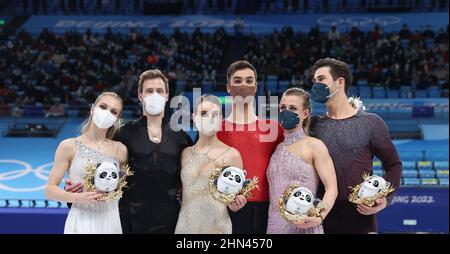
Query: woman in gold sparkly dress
[(200, 212)]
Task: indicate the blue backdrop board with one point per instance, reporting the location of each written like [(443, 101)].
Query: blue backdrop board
[(32, 220), (416, 210), (253, 23)]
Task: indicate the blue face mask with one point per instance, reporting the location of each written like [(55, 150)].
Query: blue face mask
[(321, 93), (288, 119)]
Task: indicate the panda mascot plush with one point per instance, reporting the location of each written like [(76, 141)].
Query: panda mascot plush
[(231, 180), (106, 177), (371, 186), (300, 201)]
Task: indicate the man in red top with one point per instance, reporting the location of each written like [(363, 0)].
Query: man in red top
[(255, 139)]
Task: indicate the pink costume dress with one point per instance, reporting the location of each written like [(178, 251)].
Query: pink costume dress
[(286, 168)]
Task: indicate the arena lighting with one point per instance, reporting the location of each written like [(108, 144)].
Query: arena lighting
[(2, 22)]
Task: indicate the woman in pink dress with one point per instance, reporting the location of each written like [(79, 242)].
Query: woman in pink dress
[(299, 159)]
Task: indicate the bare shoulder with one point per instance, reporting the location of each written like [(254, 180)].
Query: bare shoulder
[(122, 151), (66, 149), (233, 157), (185, 155), (186, 151), (234, 152), (316, 143), (120, 146), (231, 151), (67, 145)]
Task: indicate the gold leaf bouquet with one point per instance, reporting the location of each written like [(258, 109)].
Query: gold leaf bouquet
[(314, 211), (117, 193), (370, 201), (227, 199)]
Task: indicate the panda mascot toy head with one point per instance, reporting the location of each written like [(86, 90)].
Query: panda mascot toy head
[(300, 201), (106, 177), (231, 180), (371, 186)]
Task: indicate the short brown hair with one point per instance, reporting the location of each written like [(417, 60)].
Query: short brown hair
[(337, 69), (152, 74), (240, 65), (306, 104)]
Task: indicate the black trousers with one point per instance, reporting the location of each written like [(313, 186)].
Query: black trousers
[(251, 219)]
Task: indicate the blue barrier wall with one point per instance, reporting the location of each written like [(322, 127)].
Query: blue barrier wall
[(32, 220), (257, 23), (413, 210), (416, 210)]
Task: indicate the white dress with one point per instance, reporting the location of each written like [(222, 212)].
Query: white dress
[(100, 218)]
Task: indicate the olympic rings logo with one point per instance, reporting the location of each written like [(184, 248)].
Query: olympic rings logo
[(358, 21), (42, 172)]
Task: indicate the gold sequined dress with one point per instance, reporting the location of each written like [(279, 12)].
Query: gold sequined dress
[(200, 213)]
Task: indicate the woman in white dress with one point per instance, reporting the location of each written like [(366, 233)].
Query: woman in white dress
[(95, 145)]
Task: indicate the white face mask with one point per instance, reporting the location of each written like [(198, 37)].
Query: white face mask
[(206, 125), (103, 119), (154, 104)]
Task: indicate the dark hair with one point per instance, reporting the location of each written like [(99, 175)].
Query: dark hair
[(306, 104), (240, 65), (337, 69)]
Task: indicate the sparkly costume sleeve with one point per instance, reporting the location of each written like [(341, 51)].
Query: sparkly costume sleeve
[(385, 150)]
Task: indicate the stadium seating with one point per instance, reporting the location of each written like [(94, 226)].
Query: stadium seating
[(181, 86), (436, 155), (379, 93), (272, 86), (427, 174), (429, 181), (441, 165), (405, 92), (207, 87), (393, 93), (419, 172), (378, 172), (434, 92), (424, 165), (410, 156), (353, 91), (411, 181), (376, 165), (443, 182), (283, 86), (365, 92), (408, 173), (421, 94)]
